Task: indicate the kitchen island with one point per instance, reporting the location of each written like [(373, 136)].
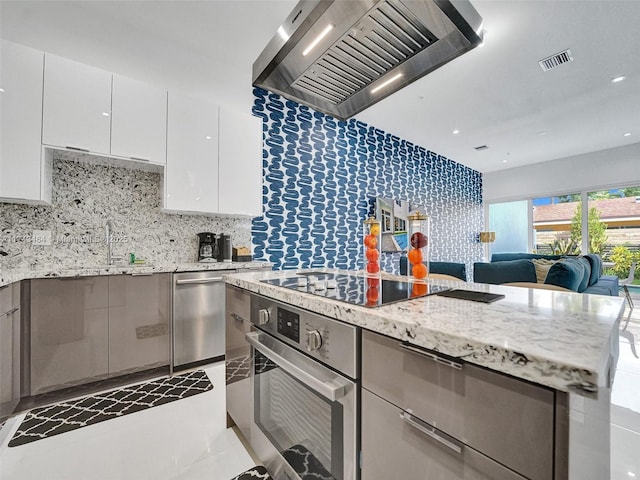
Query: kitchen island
[(564, 343)]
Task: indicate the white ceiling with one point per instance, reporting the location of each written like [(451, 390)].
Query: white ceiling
[(496, 95)]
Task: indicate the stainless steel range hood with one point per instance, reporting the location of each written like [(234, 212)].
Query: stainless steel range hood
[(370, 49)]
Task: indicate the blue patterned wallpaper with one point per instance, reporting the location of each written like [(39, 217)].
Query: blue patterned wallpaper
[(319, 176)]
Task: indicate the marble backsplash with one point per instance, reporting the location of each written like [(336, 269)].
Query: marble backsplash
[(85, 196)]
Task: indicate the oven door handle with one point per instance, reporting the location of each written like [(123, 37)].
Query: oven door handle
[(329, 390)]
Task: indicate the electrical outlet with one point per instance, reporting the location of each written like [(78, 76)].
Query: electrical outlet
[(41, 237)]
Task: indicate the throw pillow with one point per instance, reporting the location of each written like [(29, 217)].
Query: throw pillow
[(542, 266), (566, 273)]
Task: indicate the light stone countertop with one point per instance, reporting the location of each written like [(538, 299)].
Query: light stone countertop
[(15, 275), (566, 341)]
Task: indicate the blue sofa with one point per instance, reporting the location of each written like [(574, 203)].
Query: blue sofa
[(581, 274), (458, 270)]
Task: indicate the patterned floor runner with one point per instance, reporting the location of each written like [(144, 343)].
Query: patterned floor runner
[(256, 473), (67, 416)]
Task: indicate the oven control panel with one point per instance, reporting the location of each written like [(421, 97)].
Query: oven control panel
[(328, 340), (289, 324)]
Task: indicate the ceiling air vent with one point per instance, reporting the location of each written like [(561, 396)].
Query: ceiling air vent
[(481, 147), (556, 60)]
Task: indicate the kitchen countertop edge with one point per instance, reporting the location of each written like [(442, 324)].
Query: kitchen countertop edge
[(17, 275), (536, 360)]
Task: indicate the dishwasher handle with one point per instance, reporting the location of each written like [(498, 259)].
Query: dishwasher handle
[(198, 281)]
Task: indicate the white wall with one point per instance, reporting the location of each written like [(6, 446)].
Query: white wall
[(615, 167)]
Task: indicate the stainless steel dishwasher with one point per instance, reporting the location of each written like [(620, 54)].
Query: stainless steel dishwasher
[(198, 317)]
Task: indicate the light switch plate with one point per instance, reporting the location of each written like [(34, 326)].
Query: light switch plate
[(41, 237)]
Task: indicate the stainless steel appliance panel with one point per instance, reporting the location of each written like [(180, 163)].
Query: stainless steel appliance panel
[(324, 339), (198, 316), (304, 414), (394, 440)]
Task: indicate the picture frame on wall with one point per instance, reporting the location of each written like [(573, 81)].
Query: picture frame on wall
[(392, 215)]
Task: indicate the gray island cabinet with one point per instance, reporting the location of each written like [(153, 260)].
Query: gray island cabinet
[(458, 390)]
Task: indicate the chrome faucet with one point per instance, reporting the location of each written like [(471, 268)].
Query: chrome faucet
[(110, 257)]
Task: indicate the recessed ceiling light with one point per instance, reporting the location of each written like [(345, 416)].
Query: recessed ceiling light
[(618, 79), (628, 134), (208, 137), (105, 114), (631, 474), (455, 132), (1, 90), (505, 160)]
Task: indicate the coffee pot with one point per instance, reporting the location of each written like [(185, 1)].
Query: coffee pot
[(208, 249)]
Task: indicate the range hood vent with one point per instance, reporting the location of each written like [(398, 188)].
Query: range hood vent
[(374, 48)]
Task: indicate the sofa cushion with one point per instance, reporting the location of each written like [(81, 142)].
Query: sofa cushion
[(454, 269), (568, 273), (504, 257), (542, 266), (586, 264), (607, 283), (596, 267), (504, 272)]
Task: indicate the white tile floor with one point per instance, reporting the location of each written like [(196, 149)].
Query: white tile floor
[(188, 439)]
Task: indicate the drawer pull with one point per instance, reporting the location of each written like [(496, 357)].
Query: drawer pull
[(431, 356), (431, 432), (14, 309), (237, 317)]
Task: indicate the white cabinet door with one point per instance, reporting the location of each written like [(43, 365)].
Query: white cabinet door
[(138, 120), (191, 175), (77, 105), (22, 176), (240, 157)]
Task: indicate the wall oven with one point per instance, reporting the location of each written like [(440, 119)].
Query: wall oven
[(303, 394)]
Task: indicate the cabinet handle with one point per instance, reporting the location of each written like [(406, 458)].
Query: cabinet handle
[(141, 274), (14, 309), (195, 281), (78, 149), (432, 356), (237, 317), (431, 431), (140, 159)]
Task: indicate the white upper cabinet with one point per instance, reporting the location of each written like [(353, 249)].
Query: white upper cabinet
[(77, 106), (191, 174), (138, 120), (240, 158), (24, 177)]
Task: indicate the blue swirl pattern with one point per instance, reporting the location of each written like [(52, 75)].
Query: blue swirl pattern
[(320, 175)]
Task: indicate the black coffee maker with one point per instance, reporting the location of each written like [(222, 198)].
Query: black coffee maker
[(208, 249)]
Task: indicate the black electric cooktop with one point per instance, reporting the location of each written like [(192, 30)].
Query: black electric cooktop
[(356, 289)]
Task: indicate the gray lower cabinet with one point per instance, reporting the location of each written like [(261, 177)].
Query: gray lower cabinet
[(9, 349), (508, 420), (139, 322), (396, 444), (237, 357), (90, 328), (69, 332)]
